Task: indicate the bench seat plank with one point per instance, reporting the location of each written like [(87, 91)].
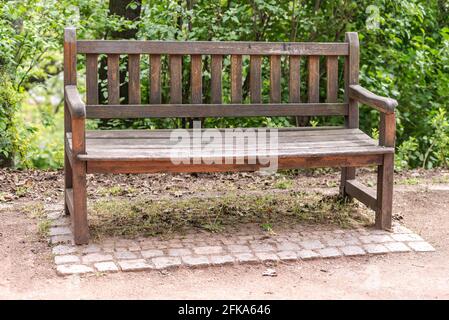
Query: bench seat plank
[(140, 145)]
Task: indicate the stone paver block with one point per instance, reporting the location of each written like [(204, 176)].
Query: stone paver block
[(61, 222), (404, 237), (208, 250), (106, 267), (91, 248), (311, 244), (179, 252), (287, 246), (220, 260), (352, 250), (54, 215), (307, 254), (235, 248), (267, 256), (421, 246), (96, 257), (193, 261), (245, 257), (152, 253), (374, 238), (63, 249), (67, 259), (125, 255), (69, 269), (63, 238), (134, 265), (335, 242), (287, 255), (166, 262), (351, 241), (396, 247), (375, 248), (262, 247), (397, 228), (329, 252), (58, 231)]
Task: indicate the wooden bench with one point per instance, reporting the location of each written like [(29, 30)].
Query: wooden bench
[(145, 151)]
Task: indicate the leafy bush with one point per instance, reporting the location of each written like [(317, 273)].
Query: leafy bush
[(404, 54)]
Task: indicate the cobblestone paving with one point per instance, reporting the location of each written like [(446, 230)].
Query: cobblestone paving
[(201, 249)]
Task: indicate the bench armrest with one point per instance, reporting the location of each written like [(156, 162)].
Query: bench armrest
[(383, 104), (76, 106)]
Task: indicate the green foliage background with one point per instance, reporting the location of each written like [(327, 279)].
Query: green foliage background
[(404, 55)]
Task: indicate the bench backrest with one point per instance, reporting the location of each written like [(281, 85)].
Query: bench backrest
[(297, 53)]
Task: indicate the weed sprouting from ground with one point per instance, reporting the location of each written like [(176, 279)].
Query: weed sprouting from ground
[(149, 217)]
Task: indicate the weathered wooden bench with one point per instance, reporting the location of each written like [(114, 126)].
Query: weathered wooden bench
[(145, 151)]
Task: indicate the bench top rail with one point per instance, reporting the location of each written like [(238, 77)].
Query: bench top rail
[(211, 47)]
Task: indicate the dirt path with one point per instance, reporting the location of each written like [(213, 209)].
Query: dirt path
[(26, 269)]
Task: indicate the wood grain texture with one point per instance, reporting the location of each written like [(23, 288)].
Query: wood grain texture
[(179, 110), (69, 79), (153, 166), (155, 79), (351, 72), (275, 79), (364, 194), (255, 79), (299, 143), (196, 79), (113, 79), (92, 79), (294, 79), (332, 78), (216, 77), (387, 130), (351, 75), (384, 210), (175, 78), (79, 213), (314, 79), (211, 47), (236, 79), (362, 95), (134, 79), (75, 106)]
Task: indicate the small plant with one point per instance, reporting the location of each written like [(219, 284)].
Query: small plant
[(34, 210), (267, 227), (284, 184), (410, 181), (43, 227), (21, 191)]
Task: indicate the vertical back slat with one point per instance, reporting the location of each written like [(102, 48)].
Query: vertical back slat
[(314, 79), (134, 78), (255, 79), (294, 79), (196, 79), (216, 67), (351, 72), (332, 78), (92, 78), (236, 79), (155, 79), (275, 79), (113, 79), (176, 79)]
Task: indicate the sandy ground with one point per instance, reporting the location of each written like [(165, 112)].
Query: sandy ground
[(26, 270)]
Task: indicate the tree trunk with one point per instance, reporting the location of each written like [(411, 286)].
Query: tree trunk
[(121, 8)]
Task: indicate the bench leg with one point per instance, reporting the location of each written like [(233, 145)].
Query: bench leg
[(79, 214), (67, 181), (347, 173), (385, 193)]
